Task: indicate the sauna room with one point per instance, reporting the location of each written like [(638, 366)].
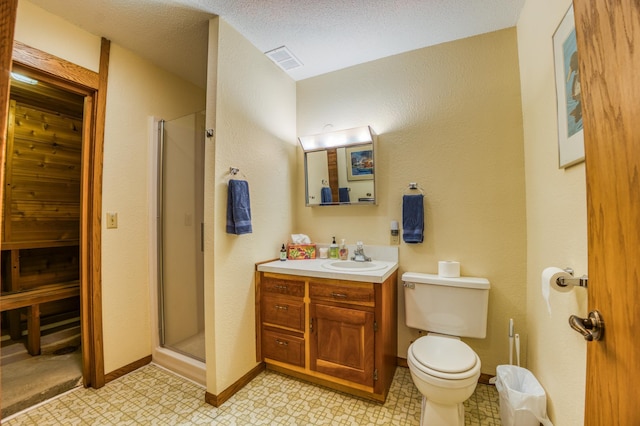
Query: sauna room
[(40, 266)]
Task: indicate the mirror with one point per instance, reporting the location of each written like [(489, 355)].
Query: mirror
[(340, 167)]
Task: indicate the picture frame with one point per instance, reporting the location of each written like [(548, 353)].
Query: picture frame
[(568, 94), (360, 164)]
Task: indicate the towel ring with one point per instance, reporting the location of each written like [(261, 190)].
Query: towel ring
[(235, 172), (414, 187)]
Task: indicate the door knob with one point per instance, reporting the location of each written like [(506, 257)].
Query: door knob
[(591, 327)]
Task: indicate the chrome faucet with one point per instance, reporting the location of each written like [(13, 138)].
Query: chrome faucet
[(358, 254)]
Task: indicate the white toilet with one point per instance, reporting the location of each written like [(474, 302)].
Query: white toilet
[(444, 368)]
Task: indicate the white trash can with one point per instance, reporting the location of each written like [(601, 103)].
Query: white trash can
[(523, 401)]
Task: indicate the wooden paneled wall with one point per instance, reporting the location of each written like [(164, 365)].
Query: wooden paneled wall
[(42, 181)]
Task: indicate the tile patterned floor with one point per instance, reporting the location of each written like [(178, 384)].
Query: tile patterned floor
[(154, 396)]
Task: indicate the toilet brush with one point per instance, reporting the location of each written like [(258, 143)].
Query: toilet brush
[(511, 341)]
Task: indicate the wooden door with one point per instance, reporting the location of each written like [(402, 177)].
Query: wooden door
[(608, 35), (342, 342)]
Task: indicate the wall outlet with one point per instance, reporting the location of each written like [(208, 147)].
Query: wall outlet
[(112, 220)]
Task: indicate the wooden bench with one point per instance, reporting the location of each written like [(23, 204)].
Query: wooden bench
[(26, 292), (31, 299)]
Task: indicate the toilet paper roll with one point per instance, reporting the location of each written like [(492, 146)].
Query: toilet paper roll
[(449, 269), (550, 280)]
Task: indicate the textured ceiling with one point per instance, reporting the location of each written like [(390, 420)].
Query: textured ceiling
[(325, 35)]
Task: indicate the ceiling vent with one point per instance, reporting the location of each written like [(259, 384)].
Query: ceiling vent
[(284, 58)]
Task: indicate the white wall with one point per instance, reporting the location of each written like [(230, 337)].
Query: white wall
[(137, 89), (448, 117), (251, 104), (556, 221)]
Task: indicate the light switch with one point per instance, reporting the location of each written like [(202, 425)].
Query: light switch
[(112, 220)]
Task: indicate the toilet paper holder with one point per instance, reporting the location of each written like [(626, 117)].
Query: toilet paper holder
[(572, 282)]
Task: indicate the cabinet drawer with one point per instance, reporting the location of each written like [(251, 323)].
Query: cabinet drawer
[(358, 295), (284, 311), (283, 347), (281, 286)]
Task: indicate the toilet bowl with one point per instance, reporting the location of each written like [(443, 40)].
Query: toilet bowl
[(445, 370)]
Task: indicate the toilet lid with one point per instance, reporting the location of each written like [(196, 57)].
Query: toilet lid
[(444, 354)]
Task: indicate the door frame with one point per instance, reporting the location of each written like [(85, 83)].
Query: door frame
[(93, 87)]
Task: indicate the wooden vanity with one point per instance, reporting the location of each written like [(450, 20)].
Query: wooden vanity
[(340, 333)]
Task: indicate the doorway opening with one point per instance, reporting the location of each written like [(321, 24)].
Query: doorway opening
[(41, 353)]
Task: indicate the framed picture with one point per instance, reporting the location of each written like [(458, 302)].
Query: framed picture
[(568, 95), (360, 162)]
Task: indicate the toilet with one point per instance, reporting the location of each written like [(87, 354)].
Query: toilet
[(444, 368)]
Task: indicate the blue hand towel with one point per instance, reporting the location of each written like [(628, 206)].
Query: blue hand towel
[(413, 219), (343, 193), (325, 195), (238, 208)]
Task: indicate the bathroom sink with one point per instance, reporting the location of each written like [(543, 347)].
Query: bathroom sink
[(351, 265)]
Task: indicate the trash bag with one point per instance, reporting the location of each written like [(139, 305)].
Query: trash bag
[(523, 401)]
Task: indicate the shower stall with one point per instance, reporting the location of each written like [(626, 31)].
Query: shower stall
[(179, 341)]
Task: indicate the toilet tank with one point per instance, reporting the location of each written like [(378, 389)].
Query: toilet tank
[(452, 306)]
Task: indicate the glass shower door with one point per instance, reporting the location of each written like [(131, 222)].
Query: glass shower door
[(180, 251)]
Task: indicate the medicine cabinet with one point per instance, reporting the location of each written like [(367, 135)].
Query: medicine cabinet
[(340, 167)]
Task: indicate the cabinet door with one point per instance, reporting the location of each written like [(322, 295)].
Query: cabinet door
[(342, 343)]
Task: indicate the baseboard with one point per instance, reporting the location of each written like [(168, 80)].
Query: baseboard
[(127, 369), (484, 378), (402, 362), (218, 400)]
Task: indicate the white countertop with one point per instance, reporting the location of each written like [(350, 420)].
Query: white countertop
[(314, 268)]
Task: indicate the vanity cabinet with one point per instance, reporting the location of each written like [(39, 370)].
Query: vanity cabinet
[(342, 325), (337, 333)]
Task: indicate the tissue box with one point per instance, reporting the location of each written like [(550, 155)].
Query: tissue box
[(301, 251)]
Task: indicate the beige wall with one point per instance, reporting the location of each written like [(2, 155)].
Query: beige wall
[(39, 28), (251, 104), (137, 90), (556, 221), (448, 117)]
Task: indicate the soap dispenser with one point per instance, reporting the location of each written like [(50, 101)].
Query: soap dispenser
[(343, 252), (333, 249)]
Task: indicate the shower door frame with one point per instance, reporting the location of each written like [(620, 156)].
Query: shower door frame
[(160, 234)]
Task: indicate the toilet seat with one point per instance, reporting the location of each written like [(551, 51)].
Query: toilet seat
[(444, 357)]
